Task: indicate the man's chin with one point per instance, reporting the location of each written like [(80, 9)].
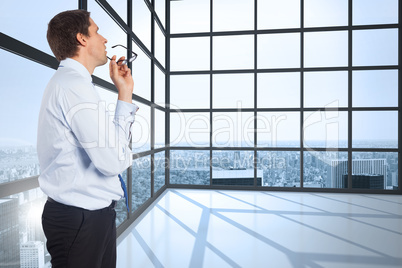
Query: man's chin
[(103, 62)]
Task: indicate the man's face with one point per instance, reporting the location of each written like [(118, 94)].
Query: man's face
[(96, 45)]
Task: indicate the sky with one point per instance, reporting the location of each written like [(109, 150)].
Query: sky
[(21, 97)]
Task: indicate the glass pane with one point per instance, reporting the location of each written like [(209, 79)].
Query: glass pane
[(377, 88), (27, 20), (142, 22), (326, 49), (279, 169), (159, 87), (189, 129), (375, 47), (20, 103), (375, 11), (278, 90), (160, 41), (114, 35), (233, 91), (120, 7), (141, 129), (326, 129), (273, 14), (233, 168), (160, 10), (325, 169), (233, 129), (189, 167), (326, 89), (375, 129), (278, 50), (189, 16), (141, 72), (281, 129), (233, 52), (189, 91), (232, 15), (21, 225), (141, 176), (375, 170), (189, 54), (159, 129), (159, 174), (319, 13)]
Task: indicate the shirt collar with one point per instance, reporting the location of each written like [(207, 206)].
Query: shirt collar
[(77, 66)]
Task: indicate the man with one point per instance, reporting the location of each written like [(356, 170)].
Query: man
[(82, 150)]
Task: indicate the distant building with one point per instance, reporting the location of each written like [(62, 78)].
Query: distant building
[(339, 168), (394, 178), (244, 177), (9, 234), (32, 255), (394, 174), (34, 226), (365, 181)]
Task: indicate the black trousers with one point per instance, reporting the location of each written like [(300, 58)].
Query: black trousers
[(78, 237)]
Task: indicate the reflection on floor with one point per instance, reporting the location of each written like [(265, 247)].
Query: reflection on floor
[(215, 228)]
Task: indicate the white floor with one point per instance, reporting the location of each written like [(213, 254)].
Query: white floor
[(208, 228)]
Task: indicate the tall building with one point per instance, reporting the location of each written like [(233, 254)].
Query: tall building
[(32, 255), (339, 168), (9, 234), (34, 224), (394, 174), (335, 172)]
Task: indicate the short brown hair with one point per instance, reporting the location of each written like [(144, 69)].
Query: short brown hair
[(62, 32)]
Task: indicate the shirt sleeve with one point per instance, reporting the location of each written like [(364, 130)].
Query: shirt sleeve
[(123, 120), (104, 137)]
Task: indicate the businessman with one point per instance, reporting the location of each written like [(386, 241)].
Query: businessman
[(81, 149)]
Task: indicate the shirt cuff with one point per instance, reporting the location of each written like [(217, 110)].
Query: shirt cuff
[(126, 109)]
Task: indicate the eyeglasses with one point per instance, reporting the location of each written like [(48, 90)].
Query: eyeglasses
[(134, 56)]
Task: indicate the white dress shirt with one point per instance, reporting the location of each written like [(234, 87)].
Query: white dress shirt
[(81, 148)]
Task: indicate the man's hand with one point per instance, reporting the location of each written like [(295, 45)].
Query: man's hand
[(122, 79)]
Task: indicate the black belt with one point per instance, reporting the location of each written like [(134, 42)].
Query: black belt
[(113, 204), (50, 200)]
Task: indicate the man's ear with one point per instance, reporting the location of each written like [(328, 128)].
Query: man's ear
[(82, 39)]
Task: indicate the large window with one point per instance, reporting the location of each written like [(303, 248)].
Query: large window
[(254, 93), (30, 65), (305, 90), (19, 110)]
